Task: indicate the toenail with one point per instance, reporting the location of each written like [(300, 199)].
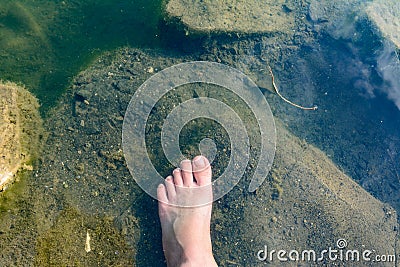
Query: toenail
[(199, 162)]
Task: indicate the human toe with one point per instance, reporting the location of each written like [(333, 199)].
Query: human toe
[(177, 177), (170, 187), (202, 170), (187, 173)]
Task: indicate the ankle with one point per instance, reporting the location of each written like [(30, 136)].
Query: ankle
[(204, 262), (203, 257)]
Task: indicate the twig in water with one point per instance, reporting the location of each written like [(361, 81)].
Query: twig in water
[(284, 99)]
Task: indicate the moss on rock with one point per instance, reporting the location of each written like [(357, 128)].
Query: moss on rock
[(21, 131)]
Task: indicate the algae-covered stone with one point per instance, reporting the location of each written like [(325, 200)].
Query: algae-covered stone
[(386, 15), (20, 131), (233, 16)]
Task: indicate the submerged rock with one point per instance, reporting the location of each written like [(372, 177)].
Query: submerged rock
[(386, 15), (233, 16), (20, 131)]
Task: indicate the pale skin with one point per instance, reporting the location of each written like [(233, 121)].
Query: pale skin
[(186, 229)]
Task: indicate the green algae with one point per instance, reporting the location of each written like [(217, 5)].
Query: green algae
[(11, 198), (21, 132)]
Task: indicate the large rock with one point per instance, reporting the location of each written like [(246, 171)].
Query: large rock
[(386, 15), (233, 16), (340, 18), (337, 18), (20, 131)]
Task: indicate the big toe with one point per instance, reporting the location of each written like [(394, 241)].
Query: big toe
[(201, 170)]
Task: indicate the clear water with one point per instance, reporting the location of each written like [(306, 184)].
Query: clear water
[(45, 44)]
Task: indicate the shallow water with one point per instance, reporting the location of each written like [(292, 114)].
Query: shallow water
[(357, 129), (45, 44)]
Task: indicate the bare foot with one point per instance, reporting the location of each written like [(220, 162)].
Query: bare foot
[(185, 203)]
